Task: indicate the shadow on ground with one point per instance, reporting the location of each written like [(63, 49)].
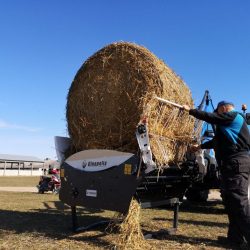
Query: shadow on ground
[(209, 207), (54, 222)]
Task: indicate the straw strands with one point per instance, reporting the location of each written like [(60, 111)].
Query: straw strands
[(114, 89), (130, 236)]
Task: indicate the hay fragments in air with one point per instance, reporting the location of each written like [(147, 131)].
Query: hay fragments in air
[(114, 89)]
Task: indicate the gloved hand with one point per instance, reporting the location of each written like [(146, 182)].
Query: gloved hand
[(244, 107), (186, 107)]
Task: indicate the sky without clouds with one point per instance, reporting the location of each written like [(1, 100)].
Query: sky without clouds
[(44, 43)]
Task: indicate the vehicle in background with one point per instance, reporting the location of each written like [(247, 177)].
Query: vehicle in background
[(50, 183)]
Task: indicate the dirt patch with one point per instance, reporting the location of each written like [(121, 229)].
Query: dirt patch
[(19, 189)]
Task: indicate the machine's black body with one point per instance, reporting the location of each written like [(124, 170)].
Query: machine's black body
[(110, 189), (113, 188), (167, 187)]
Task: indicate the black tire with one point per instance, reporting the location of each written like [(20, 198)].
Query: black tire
[(198, 195)]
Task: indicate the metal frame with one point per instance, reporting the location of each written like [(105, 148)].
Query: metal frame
[(144, 146), (76, 228)]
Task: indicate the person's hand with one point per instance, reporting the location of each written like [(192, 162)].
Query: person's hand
[(244, 107), (186, 107), (194, 148)]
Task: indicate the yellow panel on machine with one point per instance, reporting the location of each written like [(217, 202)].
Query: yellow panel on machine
[(127, 169)]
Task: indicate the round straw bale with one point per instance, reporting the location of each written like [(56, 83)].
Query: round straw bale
[(114, 89)]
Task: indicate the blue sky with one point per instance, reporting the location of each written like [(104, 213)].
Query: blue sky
[(44, 43)]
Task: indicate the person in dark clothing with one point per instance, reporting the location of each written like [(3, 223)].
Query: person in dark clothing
[(231, 144)]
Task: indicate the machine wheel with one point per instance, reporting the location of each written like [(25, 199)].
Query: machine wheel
[(194, 194)]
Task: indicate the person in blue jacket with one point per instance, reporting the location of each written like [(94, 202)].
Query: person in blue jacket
[(231, 144)]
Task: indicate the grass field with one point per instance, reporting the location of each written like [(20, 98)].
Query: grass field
[(41, 221), (19, 181)]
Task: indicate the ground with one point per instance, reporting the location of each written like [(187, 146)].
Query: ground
[(41, 221)]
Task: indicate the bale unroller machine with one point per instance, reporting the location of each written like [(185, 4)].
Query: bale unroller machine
[(109, 179)]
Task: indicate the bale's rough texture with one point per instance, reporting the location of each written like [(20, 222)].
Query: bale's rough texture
[(114, 89)]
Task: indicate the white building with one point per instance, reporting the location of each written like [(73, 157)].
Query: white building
[(14, 165)]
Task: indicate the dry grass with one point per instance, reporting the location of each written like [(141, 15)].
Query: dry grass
[(19, 181), (114, 89), (35, 221)]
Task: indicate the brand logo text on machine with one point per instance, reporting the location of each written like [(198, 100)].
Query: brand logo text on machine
[(94, 164)]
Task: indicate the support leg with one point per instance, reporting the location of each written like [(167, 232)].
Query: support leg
[(74, 218), (170, 231), (176, 215)]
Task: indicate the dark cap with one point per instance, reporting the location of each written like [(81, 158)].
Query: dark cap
[(222, 103)]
